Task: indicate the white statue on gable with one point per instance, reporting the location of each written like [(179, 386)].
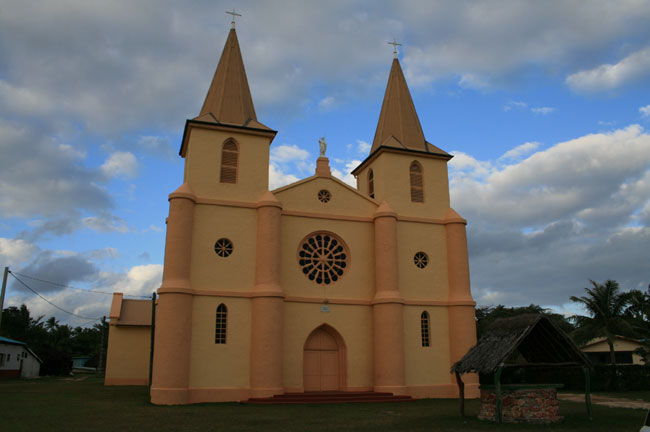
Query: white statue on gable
[(323, 146)]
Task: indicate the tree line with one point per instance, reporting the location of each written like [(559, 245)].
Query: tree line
[(609, 312), (55, 343)]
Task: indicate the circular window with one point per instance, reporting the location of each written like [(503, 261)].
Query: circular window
[(324, 196), (323, 258), (223, 247), (421, 259)]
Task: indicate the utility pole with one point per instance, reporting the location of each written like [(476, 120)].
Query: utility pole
[(100, 363), (153, 333), (2, 295)]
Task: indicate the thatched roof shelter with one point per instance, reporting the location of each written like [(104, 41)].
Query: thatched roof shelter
[(521, 341)]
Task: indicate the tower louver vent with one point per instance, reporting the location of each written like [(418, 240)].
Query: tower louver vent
[(229, 155)]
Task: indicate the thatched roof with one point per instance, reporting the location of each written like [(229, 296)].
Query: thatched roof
[(521, 341)]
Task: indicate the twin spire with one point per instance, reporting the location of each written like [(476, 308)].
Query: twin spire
[(229, 101), (229, 97)]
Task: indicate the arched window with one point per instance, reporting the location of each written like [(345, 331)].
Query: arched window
[(424, 324), (371, 184), (221, 325), (229, 156), (417, 188)]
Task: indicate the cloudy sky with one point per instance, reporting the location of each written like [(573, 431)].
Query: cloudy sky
[(545, 105)]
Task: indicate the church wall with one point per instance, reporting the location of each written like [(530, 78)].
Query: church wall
[(304, 198), (430, 282), (358, 280), (392, 183), (212, 272), (220, 365), (203, 162), (127, 359), (427, 368), (352, 322)]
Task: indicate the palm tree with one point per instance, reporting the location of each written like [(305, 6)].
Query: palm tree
[(606, 307)]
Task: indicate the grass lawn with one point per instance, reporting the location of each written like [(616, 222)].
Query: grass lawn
[(51, 404)]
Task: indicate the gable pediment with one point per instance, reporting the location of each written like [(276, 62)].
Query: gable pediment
[(328, 196)]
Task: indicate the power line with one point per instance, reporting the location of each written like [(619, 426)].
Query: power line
[(58, 307), (70, 287)]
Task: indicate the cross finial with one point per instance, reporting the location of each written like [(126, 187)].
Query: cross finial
[(234, 14), (395, 45)]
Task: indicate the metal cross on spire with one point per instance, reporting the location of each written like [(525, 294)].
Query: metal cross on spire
[(234, 14), (395, 45)]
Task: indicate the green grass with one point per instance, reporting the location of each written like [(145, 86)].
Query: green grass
[(51, 404)]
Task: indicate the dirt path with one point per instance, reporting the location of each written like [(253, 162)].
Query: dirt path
[(606, 400)]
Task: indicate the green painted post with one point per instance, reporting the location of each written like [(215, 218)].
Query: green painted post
[(498, 403), (588, 392)]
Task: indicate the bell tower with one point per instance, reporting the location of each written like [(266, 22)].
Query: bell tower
[(403, 168), (226, 152), (226, 149)]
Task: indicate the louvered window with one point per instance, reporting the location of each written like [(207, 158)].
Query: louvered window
[(371, 184), (221, 324), (417, 188), (424, 324), (229, 156)]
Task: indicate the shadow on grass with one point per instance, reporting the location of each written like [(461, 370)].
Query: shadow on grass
[(52, 404)]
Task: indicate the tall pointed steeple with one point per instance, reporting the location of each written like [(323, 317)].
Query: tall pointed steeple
[(399, 125), (229, 98)]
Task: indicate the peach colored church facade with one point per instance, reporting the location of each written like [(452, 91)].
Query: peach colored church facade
[(314, 286)]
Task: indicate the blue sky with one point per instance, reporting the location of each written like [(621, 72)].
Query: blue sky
[(545, 106)]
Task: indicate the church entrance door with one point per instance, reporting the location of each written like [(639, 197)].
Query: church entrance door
[(321, 362)]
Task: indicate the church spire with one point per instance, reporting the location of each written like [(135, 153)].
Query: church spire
[(229, 98), (398, 124)]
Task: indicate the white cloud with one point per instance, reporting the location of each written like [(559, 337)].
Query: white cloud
[(14, 252), (345, 174), (288, 153), (645, 111), (591, 171), (140, 280), (543, 110), (610, 76), (520, 151), (120, 164), (473, 81), (469, 166), (540, 227), (277, 178), (510, 105), (327, 103), (106, 222), (41, 176), (363, 147)]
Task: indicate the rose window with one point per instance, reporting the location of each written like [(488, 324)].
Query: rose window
[(323, 258), (223, 247), (421, 260), (324, 196)]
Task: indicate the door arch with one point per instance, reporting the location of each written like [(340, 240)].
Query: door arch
[(324, 364)]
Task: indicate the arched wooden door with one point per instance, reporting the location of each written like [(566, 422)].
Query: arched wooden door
[(322, 362)]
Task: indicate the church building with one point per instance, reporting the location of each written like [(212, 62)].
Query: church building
[(315, 286)]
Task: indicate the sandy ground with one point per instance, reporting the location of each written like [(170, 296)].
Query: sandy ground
[(607, 401)]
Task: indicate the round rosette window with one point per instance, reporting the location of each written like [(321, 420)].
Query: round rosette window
[(323, 258), (420, 259)]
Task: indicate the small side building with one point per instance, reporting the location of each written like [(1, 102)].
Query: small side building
[(597, 350), (18, 360), (129, 342)]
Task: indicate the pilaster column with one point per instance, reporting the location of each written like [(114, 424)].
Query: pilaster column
[(387, 307), (461, 313), (172, 345), (267, 319)]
